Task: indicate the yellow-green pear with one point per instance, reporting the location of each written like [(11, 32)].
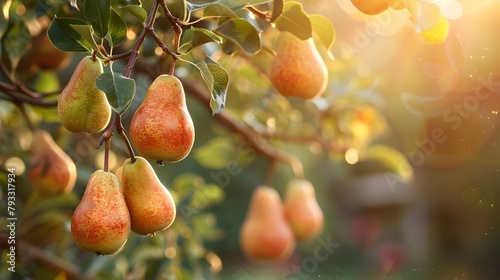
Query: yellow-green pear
[(161, 128), (151, 205), (51, 170), (101, 222), (298, 69), (82, 106), (302, 210)]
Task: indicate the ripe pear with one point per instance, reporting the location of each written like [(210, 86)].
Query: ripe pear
[(82, 106), (151, 205), (302, 210), (101, 222), (372, 7), (161, 128), (51, 169), (298, 70), (265, 233)]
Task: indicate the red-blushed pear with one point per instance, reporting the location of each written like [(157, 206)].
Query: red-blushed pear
[(151, 205), (302, 210), (373, 7), (298, 70), (82, 106), (265, 233), (51, 170), (101, 222), (161, 128)]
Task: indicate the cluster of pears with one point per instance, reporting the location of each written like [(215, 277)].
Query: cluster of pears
[(114, 204), (51, 170), (272, 227), (298, 69), (133, 199)]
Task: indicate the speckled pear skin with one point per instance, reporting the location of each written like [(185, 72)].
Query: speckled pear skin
[(150, 203), (161, 128), (82, 106), (298, 69), (101, 222)]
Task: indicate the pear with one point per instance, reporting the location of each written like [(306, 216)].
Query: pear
[(298, 70), (51, 170), (161, 128), (101, 222), (46, 56), (151, 205), (265, 234), (302, 210), (374, 7), (82, 106)]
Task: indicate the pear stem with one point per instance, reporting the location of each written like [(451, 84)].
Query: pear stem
[(116, 122), (271, 172), (107, 147), (175, 22), (121, 132)]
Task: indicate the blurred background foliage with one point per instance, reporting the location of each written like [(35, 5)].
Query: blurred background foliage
[(400, 202)]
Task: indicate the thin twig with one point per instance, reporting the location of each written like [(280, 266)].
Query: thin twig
[(178, 33)]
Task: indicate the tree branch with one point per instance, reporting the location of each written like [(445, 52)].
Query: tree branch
[(250, 135), (36, 255)]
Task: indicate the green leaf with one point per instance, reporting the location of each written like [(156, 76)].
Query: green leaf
[(184, 184), (196, 6), (236, 5), (74, 4), (119, 90), (324, 29), (207, 196), (193, 37), (216, 153), (295, 20), (98, 13), (205, 225), (117, 29), (136, 11), (242, 33), (218, 10), (65, 37), (217, 80), (220, 85), (15, 41), (87, 32), (250, 18)]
